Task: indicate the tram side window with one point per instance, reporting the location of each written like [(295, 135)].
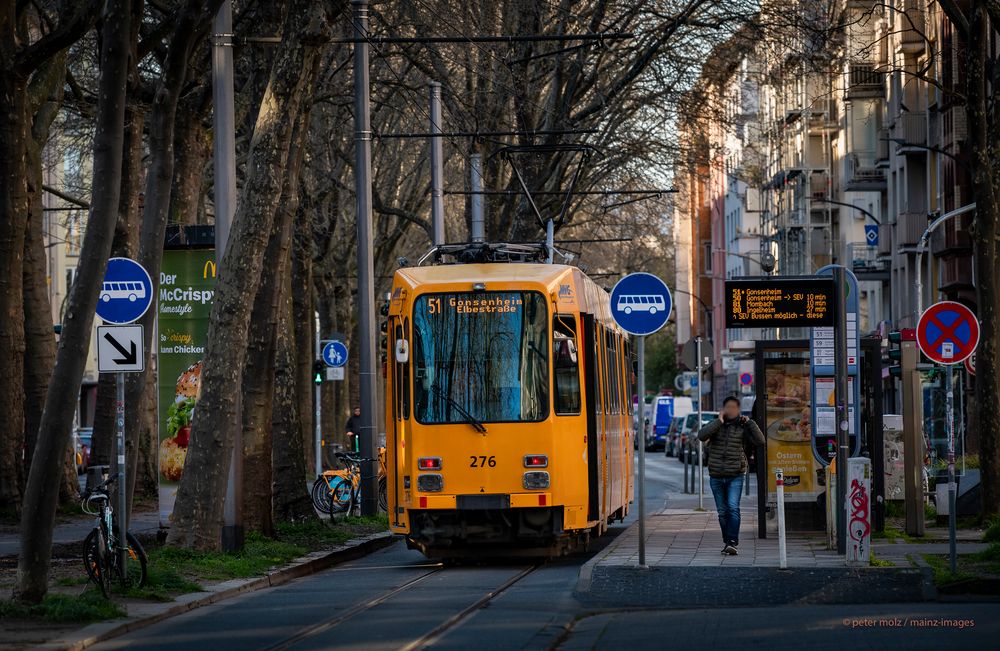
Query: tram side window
[(609, 357), (567, 365), (401, 375)]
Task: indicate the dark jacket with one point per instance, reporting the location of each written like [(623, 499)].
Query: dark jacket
[(726, 457), (353, 424)]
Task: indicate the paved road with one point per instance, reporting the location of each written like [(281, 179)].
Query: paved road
[(395, 599)]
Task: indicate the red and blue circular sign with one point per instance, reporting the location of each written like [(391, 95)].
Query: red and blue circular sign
[(746, 379), (948, 332)]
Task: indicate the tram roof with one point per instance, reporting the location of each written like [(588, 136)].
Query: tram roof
[(503, 272)]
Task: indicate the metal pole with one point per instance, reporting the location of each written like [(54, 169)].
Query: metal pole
[(697, 428), (477, 223), (437, 166), (224, 196), (120, 458), (779, 482), (952, 487), (840, 399), (318, 407), (550, 246), (683, 452), (366, 273), (641, 390)]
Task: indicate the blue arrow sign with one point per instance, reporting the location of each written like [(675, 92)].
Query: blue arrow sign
[(126, 293), (871, 234), (641, 303), (335, 354)]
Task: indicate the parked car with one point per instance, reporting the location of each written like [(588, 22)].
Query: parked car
[(673, 436), (84, 436), (689, 432)]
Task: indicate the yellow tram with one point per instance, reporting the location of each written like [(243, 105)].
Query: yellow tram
[(508, 413)]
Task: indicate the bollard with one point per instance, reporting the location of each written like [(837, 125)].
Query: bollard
[(779, 482)]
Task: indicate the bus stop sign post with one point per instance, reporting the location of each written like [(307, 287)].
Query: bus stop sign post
[(126, 294), (640, 305), (948, 334)]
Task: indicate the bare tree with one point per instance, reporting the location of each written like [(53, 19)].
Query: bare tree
[(41, 495)]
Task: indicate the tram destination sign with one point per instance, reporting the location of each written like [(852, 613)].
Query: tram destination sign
[(780, 302)]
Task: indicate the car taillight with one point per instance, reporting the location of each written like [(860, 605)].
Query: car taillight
[(535, 480), (429, 463), (536, 461), (430, 483)]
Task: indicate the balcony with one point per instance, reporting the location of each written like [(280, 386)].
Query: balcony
[(863, 80), (863, 173), (910, 227), (910, 133), (956, 273), (954, 127), (885, 239), (910, 25), (953, 237)]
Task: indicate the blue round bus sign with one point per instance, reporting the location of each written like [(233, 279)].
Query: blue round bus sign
[(126, 292), (641, 303)]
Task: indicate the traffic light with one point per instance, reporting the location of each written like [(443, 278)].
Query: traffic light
[(896, 339), (319, 370)]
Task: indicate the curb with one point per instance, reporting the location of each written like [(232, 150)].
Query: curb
[(587, 569), (309, 564)]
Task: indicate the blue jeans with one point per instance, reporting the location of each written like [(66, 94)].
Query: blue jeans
[(727, 491)]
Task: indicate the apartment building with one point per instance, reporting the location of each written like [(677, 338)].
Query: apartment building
[(832, 139)]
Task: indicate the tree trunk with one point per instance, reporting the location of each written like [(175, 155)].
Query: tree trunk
[(303, 324), (13, 225), (192, 150), (984, 139), (291, 500), (198, 510), (41, 494), (45, 97)]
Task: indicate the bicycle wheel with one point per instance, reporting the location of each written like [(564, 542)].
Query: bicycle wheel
[(133, 575), (96, 560), (321, 495), (340, 494), (383, 495)]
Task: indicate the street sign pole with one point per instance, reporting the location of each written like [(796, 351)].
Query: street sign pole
[(120, 457), (697, 428), (840, 388), (318, 412), (641, 434), (952, 488)]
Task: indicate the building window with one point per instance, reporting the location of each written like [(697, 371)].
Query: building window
[(708, 257)]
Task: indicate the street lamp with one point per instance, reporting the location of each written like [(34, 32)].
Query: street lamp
[(708, 310), (766, 261), (923, 246), (851, 205)]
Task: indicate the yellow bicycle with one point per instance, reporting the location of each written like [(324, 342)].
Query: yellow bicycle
[(337, 491)]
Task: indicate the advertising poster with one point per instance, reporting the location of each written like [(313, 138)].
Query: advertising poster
[(184, 304), (789, 431)]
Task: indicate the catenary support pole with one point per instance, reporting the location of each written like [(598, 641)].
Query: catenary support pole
[(437, 166), (224, 195), (477, 221), (840, 388), (641, 437), (366, 273)]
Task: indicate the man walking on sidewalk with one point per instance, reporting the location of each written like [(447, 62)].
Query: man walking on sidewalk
[(727, 465)]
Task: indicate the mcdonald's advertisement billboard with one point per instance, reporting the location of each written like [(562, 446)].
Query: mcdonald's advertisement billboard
[(184, 305)]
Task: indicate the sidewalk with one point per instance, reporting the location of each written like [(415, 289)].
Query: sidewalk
[(68, 533)]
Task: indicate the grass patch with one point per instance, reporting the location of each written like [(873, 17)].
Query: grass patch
[(895, 509), (88, 607), (69, 581), (992, 533), (941, 566), (258, 555), (891, 532), (879, 562)]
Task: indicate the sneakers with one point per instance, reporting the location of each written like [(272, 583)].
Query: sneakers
[(731, 550)]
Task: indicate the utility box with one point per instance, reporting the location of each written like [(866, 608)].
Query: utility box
[(859, 510)]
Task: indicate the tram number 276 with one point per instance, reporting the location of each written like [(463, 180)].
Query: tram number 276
[(482, 462)]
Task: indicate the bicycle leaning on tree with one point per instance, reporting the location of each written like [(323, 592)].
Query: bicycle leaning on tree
[(102, 549), (339, 491)]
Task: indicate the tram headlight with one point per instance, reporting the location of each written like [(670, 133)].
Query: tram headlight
[(535, 480), (430, 483)]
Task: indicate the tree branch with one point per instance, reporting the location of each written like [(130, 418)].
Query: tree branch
[(955, 15), (72, 26)]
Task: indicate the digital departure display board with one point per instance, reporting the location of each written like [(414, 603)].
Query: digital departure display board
[(779, 302)]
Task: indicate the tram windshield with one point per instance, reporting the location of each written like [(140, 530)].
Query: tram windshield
[(482, 355)]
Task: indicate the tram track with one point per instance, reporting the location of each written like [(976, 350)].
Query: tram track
[(425, 640)]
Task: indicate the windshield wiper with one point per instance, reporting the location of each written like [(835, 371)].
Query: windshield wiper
[(472, 420)]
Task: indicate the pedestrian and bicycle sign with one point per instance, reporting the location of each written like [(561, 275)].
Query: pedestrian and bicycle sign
[(948, 332), (335, 354), (126, 292), (641, 303), (120, 349)]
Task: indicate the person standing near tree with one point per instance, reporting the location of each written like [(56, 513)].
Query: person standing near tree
[(352, 428), (727, 466)]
